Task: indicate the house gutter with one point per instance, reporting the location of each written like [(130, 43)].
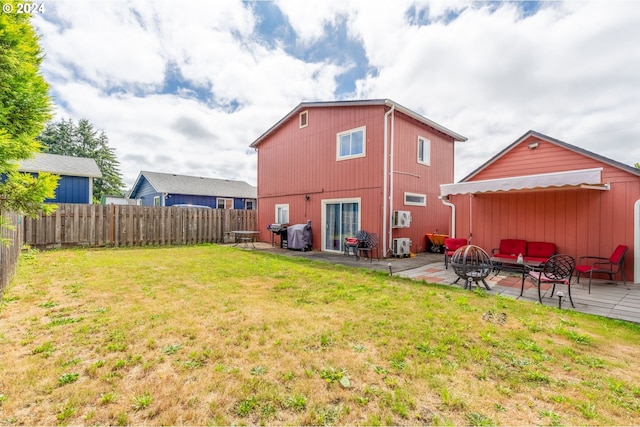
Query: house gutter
[(446, 202), (385, 168)]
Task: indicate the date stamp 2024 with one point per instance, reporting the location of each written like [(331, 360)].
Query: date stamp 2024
[(23, 8)]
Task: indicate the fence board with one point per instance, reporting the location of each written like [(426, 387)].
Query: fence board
[(122, 225), (10, 250)]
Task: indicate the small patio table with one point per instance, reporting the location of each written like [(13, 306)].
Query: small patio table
[(246, 237), (512, 265)]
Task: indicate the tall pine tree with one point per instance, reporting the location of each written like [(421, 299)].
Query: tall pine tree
[(82, 140), (24, 109)]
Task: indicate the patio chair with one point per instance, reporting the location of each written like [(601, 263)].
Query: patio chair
[(451, 244), (369, 244), (612, 265), (557, 270)]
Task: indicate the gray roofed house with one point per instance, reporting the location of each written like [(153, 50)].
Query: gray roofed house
[(76, 175), (165, 189)]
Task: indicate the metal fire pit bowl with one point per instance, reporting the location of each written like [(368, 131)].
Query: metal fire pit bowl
[(471, 263)]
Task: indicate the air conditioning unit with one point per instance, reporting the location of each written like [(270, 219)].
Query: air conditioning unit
[(401, 219), (401, 247)]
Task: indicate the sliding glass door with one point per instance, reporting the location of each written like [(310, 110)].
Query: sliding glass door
[(341, 218)]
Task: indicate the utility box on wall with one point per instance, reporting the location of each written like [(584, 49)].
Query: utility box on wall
[(401, 219), (401, 247)]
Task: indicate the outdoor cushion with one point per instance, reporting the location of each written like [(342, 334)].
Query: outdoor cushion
[(512, 247), (542, 250)]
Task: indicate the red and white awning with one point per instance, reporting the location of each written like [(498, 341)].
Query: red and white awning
[(584, 178)]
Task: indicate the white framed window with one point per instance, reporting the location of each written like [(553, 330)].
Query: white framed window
[(156, 201), (282, 214), (351, 144), (304, 119), (415, 199), (222, 203), (424, 151), (249, 205)]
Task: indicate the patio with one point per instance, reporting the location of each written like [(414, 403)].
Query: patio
[(609, 300)]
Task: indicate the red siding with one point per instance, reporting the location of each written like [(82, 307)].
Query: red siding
[(579, 221), (294, 162)]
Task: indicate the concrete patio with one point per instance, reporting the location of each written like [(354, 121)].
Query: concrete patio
[(613, 300)]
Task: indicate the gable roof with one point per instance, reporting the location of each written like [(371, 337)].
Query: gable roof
[(605, 160), (387, 102), (194, 185), (61, 165)]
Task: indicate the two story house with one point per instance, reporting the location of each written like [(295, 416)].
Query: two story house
[(167, 189), (349, 165)]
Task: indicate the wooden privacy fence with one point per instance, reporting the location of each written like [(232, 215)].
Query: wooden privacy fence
[(9, 248), (125, 225)]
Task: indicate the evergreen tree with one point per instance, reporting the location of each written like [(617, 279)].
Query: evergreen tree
[(82, 140), (24, 109)]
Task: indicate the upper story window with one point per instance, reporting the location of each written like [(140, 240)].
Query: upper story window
[(248, 205), (424, 151), (156, 200), (304, 119), (351, 143), (222, 203), (282, 214)]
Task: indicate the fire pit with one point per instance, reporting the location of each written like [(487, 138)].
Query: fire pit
[(471, 263)]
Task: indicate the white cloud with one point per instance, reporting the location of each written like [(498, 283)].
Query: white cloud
[(485, 70)]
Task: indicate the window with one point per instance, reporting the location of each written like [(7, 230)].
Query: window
[(304, 119), (413, 199), (248, 205), (156, 200), (222, 203), (424, 151), (351, 143), (282, 214)]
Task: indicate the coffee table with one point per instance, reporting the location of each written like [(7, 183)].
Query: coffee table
[(512, 265)]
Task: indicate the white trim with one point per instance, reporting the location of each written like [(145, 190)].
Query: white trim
[(158, 199), (304, 113), (590, 178), (324, 203), (426, 151), (349, 132), (636, 242), (280, 206), (424, 197)]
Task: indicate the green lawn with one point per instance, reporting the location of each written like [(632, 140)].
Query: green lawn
[(217, 335)]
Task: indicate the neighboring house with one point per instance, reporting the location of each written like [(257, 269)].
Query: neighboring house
[(165, 189), (76, 175), (348, 165), (543, 189)]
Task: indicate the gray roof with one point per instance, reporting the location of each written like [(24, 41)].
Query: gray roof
[(196, 185), (61, 165), (366, 102)]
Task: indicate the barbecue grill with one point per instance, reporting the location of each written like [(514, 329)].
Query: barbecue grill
[(280, 230)]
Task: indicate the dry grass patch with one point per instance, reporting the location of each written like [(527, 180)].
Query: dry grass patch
[(217, 335)]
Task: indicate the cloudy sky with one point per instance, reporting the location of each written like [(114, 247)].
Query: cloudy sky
[(185, 87)]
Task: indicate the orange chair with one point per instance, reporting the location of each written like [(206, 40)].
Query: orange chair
[(450, 246), (612, 265)]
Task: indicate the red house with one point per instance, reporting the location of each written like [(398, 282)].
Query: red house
[(349, 165), (543, 189)]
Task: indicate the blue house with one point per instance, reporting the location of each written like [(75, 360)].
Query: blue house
[(76, 175), (165, 189)]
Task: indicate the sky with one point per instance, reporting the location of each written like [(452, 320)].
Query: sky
[(186, 87)]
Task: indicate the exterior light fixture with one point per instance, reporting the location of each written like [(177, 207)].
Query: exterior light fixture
[(533, 145), (560, 295)]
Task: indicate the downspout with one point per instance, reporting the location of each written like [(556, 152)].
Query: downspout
[(446, 202), (390, 218), (385, 189), (636, 242)]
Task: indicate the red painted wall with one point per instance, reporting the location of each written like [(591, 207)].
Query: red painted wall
[(296, 162), (579, 221)]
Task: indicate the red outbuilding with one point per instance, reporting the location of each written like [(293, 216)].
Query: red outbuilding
[(350, 165), (545, 190)]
